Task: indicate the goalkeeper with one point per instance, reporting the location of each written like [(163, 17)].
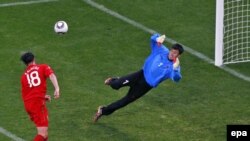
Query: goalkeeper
[(160, 65)]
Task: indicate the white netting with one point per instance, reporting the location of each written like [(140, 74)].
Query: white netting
[(236, 31)]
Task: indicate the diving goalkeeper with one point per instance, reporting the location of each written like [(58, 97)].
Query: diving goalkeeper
[(161, 64)]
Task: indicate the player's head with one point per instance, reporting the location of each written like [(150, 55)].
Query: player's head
[(176, 51), (178, 47), (27, 58)]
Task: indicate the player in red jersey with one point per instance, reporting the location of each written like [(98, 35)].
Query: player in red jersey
[(34, 94)]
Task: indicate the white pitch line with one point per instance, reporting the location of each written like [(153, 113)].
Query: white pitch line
[(151, 31), (10, 135), (25, 3)]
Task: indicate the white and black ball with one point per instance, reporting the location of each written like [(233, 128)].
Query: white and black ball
[(61, 27)]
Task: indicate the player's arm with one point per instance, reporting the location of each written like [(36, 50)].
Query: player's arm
[(157, 40), (54, 81), (176, 75)]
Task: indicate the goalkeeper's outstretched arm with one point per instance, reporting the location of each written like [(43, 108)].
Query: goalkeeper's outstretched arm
[(157, 40), (176, 75)]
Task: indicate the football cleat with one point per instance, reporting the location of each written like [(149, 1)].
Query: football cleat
[(109, 80), (98, 114)]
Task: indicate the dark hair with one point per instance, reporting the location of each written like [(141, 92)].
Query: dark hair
[(27, 58), (178, 47)]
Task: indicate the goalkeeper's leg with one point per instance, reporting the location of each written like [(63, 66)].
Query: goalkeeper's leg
[(138, 88), (136, 91), (128, 80)]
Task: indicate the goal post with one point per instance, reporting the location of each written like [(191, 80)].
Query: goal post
[(219, 32), (232, 35)]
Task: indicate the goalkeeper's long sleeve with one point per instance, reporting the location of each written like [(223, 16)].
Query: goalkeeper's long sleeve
[(176, 74)]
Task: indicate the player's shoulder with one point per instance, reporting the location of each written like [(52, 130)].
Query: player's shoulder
[(44, 66), (164, 49)]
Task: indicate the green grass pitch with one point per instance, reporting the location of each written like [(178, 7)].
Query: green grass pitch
[(97, 46)]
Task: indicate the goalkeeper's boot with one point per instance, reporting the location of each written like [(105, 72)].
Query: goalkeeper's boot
[(98, 114), (109, 80)]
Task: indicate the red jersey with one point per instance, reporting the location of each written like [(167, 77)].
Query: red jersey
[(33, 81)]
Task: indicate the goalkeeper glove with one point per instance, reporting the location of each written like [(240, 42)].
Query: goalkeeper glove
[(176, 64), (160, 39)]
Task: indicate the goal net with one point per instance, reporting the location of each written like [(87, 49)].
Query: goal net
[(232, 31)]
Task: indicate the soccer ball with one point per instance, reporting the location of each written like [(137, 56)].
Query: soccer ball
[(61, 27)]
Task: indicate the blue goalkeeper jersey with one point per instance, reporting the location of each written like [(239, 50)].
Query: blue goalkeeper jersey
[(157, 66)]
